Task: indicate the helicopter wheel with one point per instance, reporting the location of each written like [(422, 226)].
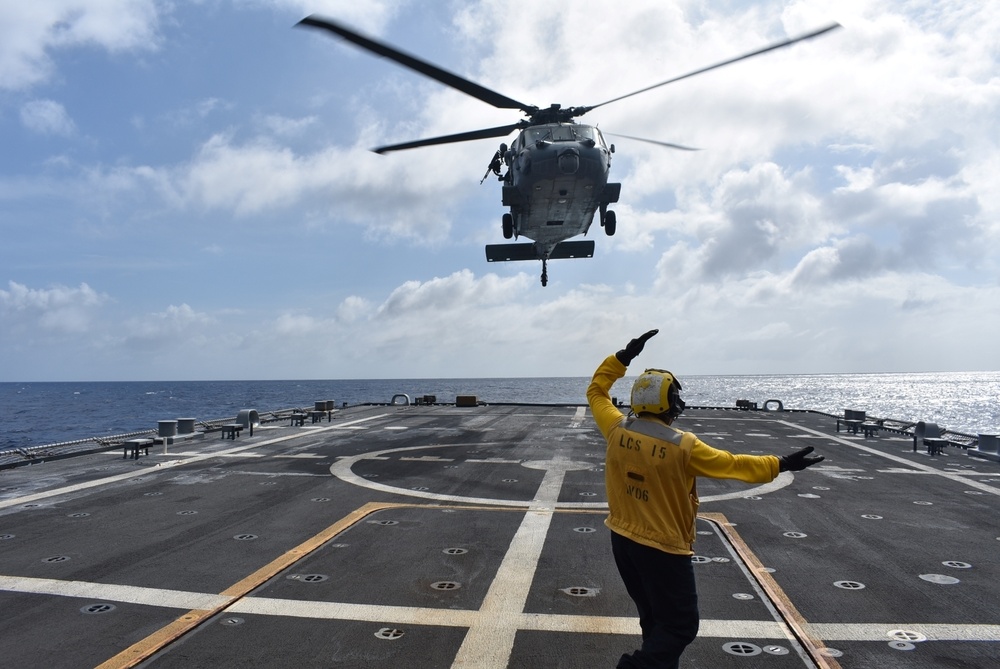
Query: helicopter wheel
[(508, 226), (545, 273), (610, 223)]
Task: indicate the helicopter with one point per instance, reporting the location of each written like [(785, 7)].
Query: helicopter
[(555, 172)]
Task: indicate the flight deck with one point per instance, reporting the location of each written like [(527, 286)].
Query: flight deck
[(441, 536)]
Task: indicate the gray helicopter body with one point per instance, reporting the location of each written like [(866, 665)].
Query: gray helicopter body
[(556, 180)]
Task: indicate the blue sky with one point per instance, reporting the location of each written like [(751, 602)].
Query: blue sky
[(187, 191)]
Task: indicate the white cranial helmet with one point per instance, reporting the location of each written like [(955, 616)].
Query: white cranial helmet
[(657, 391)]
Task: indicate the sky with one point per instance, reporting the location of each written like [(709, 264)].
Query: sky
[(187, 190)]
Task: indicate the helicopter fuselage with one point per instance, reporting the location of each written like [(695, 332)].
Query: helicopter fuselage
[(556, 180)]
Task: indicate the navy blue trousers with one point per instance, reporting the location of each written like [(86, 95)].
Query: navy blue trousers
[(663, 588)]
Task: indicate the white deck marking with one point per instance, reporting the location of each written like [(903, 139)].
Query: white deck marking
[(542, 622), (490, 639), (160, 466), (175, 599), (910, 464), (578, 417)]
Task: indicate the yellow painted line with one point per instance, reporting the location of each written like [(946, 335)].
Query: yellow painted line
[(156, 641), (795, 621)]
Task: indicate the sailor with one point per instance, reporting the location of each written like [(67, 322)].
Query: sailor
[(650, 475)]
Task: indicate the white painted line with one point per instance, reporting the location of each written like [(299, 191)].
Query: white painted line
[(880, 631), (903, 461), (130, 594), (160, 466), (396, 615), (543, 622), (495, 461), (578, 417), (220, 454), (427, 458), (490, 640)]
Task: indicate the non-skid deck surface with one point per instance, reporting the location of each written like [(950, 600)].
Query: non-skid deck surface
[(439, 536)]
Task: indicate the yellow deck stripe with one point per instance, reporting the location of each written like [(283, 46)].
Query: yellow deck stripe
[(798, 624), (142, 650)]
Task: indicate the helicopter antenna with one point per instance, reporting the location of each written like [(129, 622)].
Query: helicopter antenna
[(779, 45)]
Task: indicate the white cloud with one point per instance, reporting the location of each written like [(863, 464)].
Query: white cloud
[(31, 31), (59, 309), (47, 117)]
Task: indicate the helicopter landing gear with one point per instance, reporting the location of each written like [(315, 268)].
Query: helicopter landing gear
[(508, 226), (610, 223), (545, 272)]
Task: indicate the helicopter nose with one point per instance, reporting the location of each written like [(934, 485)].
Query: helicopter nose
[(569, 161)]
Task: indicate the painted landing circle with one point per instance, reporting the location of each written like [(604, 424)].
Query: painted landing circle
[(343, 470)]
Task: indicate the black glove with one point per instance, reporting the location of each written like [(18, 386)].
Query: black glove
[(798, 460), (634, 348)]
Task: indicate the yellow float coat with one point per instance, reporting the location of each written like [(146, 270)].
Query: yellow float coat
[(651, 470)]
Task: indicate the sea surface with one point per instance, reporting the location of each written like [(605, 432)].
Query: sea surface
[(36, 414)]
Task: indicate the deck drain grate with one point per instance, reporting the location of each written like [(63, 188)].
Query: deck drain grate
[(313, 578), (809, 495), (320, 499), (77, 515), (776, 650), (152, 494), (244, 537), (795, 535), (871, 516), (510, 480), (957, 565), (940, 579), (389, 633), (830, 652), (98, 608), (906, 635), (231, 621), (420, 488), (384, 523), (721, 560), (741, 648), (901, 645), (186, 513), (579, 591), (742, 596), (924, 503), (753, 497), (700, 559), (588, 494), (849, 585), (446, 585), (4, 537), (584, 530), (55, 559), (455, 551)]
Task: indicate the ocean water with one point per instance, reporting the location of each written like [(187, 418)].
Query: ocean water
[(35, 414)]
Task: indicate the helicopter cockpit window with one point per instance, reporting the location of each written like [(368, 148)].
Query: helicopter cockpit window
[(564, 133)]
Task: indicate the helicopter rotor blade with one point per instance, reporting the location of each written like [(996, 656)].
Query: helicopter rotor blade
[(653, 141), (485, 133), (778, 45), (423, 67)]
